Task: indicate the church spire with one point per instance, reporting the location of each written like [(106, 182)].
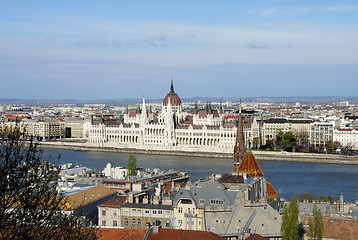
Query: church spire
[(239, 148), (172, 86)]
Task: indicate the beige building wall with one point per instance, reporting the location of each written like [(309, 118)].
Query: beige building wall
[(188, 216)]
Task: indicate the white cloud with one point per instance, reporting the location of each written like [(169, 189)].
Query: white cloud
[(159, 41), (341, 8), (258, 46)]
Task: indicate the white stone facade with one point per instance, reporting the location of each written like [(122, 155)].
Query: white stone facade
[(321, 133), (347, 137), (138, 129)]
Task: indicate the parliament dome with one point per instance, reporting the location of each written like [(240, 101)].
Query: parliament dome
[(174, 98)]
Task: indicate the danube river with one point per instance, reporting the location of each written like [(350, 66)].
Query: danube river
[(288, 178)]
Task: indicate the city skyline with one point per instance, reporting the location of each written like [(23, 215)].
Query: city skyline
[(117, 50)]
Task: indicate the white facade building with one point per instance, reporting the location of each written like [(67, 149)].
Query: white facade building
[(168, 129), (321, 133), (347, 137), (115, 172)]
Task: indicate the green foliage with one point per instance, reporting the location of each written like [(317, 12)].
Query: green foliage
[(325, 198), (307, 196), (315, 224), (290, 226), (132, 165), (286, 141), (31, 207), (289, 137), (255, 142), (268, 145)]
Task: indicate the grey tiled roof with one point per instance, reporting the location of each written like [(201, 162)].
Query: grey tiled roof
[(204, 192)]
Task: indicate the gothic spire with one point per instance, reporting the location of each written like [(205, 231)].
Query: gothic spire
[(239, 148)]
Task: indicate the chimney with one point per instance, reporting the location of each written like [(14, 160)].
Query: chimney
[(155, 200), (167, 201), (156, 229), (130, 198)]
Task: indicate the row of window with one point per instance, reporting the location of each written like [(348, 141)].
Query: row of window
[(188, 222), (115, 223), (217, 201), (139, 211), (192, 211), (138, 222)]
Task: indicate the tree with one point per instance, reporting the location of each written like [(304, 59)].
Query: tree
[(301, 136), (31, 207), (132, 165), (290, 226), (285, 141), (307, 196), (315, 224), (255, 142), (325, 198)]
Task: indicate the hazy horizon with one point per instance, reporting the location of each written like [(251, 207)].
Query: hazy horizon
[(119, 49)]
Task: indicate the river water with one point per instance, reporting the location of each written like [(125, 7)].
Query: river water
[(288, 178)]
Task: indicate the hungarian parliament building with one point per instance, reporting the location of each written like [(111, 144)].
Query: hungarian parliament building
[(171, 129), (207, 130)]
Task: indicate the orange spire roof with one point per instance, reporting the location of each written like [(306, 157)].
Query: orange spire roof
[(270, 191), (250, 166)]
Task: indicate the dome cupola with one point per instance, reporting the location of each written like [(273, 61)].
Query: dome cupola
[(174, 98)]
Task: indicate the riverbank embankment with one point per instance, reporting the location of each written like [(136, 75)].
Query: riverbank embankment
[(260, 155)]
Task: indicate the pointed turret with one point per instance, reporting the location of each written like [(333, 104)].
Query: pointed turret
[(239, 148), (196, 109), (172, 86), (144, 112), (270, 191), (250, 166), (143, 106), (138, 109)]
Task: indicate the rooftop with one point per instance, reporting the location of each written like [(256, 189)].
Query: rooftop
[(133, 234)]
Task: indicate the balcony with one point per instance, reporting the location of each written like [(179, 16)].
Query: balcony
[(190, 215)]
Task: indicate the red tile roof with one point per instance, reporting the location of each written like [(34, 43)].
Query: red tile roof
[(344, 129), (336, 227), (270, 191), (250, 166), (123, 234), (114, 202), (256, 237), (133, 234)]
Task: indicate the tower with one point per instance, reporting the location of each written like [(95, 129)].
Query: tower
[(143, 117), (239, 148), (175, 104)]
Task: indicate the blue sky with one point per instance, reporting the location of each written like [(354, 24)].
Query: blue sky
[(127, 49)]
